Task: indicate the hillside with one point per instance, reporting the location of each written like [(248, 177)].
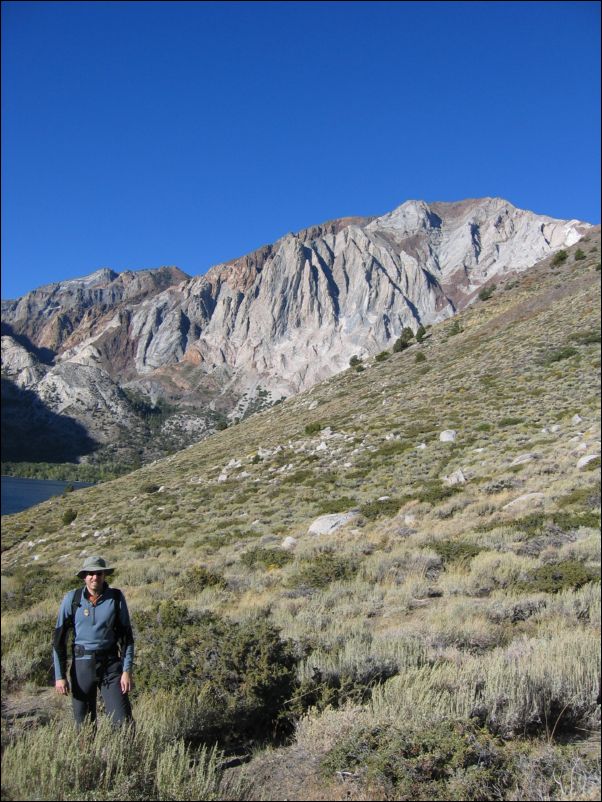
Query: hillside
[(456, 591)]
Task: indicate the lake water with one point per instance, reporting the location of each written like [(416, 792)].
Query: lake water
[(19, 494)]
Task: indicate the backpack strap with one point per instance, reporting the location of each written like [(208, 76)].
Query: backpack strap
[(75, 603)]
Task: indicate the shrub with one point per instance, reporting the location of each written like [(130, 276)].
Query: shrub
[(313, 428), (150, 488), (510, 421), (26, 654), (486, 293), (559, 258), (558, 355), (198, 578), (455, 328), (591, 337), (434, 492), (445, 760), (420, 357), (324, 568), (240, 673), (270, 558), (69, 516), (403, 341), (558, 577), (454, 551), (387, 507), (579, 255), (355, 361), (420, 333), (332, 506), (382, 356)]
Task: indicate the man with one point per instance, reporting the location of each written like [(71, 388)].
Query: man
[(99, 617)]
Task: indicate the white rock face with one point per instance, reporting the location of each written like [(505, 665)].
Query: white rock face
[(292, 313), (586, 460), (448, 436)]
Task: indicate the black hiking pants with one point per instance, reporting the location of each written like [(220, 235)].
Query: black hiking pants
[(92, 671)]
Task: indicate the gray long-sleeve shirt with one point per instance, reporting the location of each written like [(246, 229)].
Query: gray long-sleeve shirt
[(97, 627)]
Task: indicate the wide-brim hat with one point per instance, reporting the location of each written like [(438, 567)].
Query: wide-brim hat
[(94, 564)]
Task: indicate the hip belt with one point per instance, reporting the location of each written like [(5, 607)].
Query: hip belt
[(79, 651)]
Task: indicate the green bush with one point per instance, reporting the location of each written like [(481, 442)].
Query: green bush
[(69, 516), (313, 428), (382, 356), (198, 578), (591, 337), (420, 333), (558, 354), (240, 673), (454, 551), (579, 255), (510, 421), (387, 507), (452, 760), (355, 361), (435, 492), (486, 293), (332, 506), (26, 655), (420, 357), (269, 558), (559, 258), (558, 577), (324, 568), (455, 328), (403, 340), (150, 488)]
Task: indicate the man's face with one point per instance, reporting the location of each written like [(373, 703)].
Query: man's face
[(94, 582)]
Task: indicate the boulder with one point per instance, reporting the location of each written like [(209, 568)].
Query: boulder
[(525, 500), (522, 458), (289, 543), (455, 478), (448, 436), (326, 524), (586, 460)]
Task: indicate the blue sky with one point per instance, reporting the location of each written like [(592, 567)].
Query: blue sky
[(142, 134)]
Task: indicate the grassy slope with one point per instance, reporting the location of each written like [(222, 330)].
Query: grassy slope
[(454, 581)]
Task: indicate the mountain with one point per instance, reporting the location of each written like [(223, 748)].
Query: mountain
[(262, 327), (386, 586)]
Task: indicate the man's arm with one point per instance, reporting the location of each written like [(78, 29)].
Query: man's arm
[(59, 644), (126, 636)]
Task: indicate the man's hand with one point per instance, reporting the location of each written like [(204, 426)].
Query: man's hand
[(126, 682), (62, 686)]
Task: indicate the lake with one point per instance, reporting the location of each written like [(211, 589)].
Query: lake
[(19, 494)]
